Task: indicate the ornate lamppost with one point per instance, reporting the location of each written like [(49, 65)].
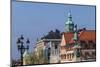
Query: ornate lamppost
[(22, 47)]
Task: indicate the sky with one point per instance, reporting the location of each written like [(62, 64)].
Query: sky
[(35, 20)]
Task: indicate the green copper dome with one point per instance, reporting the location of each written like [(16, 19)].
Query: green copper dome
[(69, 25), (69, 21)]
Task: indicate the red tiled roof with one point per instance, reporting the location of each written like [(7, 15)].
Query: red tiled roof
[(86, 35), (68, 36)]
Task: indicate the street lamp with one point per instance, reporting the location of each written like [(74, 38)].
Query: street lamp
[(21, 47)]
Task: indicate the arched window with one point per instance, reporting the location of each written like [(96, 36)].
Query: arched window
[(63, 56), (72, 55)]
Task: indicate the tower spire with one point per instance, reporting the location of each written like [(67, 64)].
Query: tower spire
[(69, 25), (69, 16)]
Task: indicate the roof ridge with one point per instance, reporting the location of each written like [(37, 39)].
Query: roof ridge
[(89, 30)]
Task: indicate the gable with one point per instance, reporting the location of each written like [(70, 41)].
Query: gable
[(63, 43)]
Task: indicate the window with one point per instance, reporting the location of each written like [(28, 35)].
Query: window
[(56, 46), (93, 54), (67, 56), (86, 55), (49, 51), (63, 56), (83, 44), (72, 55)]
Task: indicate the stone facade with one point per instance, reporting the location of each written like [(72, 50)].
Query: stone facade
[(50, 48)]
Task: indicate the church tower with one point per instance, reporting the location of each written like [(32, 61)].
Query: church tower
[(69, 25)]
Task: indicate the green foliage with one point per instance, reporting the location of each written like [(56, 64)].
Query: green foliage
[(33, 58)]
